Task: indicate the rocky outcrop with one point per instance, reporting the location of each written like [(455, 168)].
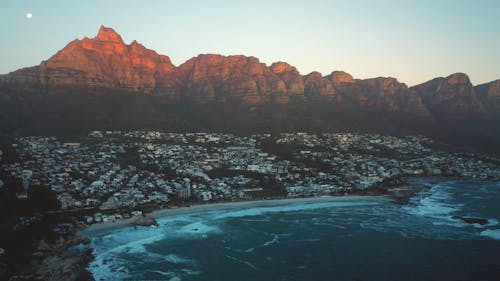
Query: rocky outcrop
[(404, 192), (453, 95), (145, 221), (22, 80), (294, 82), (378, 93), (339, 77), (106, 64), (97, 64), (395, 96), (316, 85), (227, 78), (215, 77), (55, 262), (471, 220), (489, 94)]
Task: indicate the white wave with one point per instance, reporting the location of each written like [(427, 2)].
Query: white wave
[(168, 274), (178, 273), (108, 248), (451, 222), (436, 203), (172, 258), (272, 241), (249, 264), (431, 207), (188, 271), (107, 269), (107, 265), (456, 222), (135, 246), (133, 240), (492, 222), (249, 250), (178, 219), (288, 208), (254, 220), (198, 228), (491, 233)]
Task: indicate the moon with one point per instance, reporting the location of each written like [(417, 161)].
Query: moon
[(29, 15)]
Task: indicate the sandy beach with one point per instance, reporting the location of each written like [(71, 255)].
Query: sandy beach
[(106, 227)]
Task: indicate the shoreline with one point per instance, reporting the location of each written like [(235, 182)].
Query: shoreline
[(106, 227)]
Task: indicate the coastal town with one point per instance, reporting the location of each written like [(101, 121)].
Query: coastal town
[(113, 175), (53, 187)]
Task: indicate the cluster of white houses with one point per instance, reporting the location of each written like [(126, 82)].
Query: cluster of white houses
[(118, 170)]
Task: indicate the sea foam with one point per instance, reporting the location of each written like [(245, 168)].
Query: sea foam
[(491, 233), (288, 208), (436, 202)]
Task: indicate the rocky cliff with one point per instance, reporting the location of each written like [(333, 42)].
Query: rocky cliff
[(105, 64), (103, 81), (219, 78), (99, 64), (453, 95), (489, 95)]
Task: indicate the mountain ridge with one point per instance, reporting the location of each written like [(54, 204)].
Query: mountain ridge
[(102, 81), (105, 62)]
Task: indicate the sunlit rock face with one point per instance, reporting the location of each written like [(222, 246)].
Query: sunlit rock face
[(294, 82), (339, 77), (378, 93), (216, 77), (450, 96), (489, 94), (316, 85), (105, 64), (99, 63)]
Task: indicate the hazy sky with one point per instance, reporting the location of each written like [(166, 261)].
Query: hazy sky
[(412, 40)]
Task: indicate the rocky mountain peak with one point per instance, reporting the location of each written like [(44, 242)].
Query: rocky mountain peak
[(109, 35), (341, 77), (453, 95), (458, 78), (385, 83), (489, 93), (493, 88), (281, 67), (106, 64), (314, 75)]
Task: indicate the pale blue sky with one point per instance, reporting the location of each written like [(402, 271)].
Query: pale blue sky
[(413, 41)]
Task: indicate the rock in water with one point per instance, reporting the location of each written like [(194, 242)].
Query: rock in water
[(145, 221), (470, 220)]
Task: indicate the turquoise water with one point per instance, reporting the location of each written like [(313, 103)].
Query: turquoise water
[(362, 240)]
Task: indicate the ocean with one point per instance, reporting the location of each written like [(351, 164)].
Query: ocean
[(352, 240)]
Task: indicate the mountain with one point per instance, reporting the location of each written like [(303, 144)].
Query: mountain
[(218, 78), (453, 95), (489, 95), (102, 82), (105, 63), (94, 65)]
